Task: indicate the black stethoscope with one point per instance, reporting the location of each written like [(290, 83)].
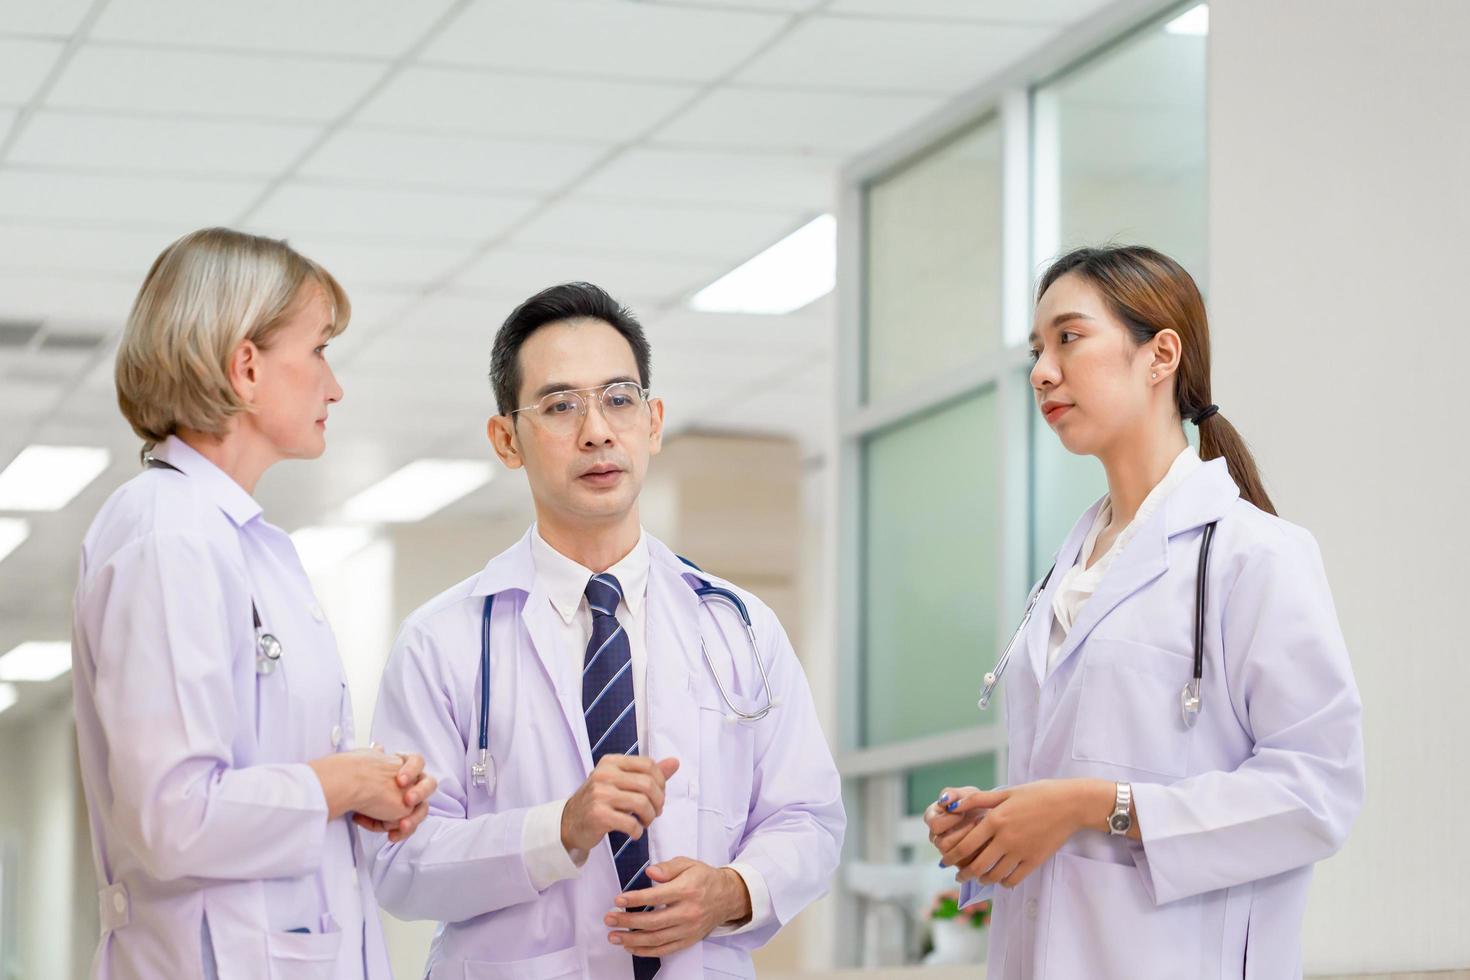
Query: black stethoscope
[(1189, 699), (482, 771), (267, 647)]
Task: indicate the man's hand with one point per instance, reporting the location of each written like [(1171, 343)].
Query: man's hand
[(624, 793), (690, 900)]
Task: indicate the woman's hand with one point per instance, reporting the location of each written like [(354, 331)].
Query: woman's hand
[(385, 793), (416, 786), (1021, 827)]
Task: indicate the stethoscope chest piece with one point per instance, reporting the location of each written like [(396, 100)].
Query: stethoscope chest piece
[(1189, 703), (267, 653), (482, 773)]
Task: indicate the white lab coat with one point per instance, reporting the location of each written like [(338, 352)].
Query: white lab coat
[(201, 804), (1233, 812), (764, 793)]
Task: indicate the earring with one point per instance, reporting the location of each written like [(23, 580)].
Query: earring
[(1156, 375)]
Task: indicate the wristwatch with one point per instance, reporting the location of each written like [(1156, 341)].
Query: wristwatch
[(1120, 821)]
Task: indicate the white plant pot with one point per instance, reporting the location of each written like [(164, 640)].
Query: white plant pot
[(957, 942)]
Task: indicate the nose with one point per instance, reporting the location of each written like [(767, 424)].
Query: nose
[(595, 430), (1044, 373), (334, 389)]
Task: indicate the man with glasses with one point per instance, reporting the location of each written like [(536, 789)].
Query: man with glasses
[(641, 788)]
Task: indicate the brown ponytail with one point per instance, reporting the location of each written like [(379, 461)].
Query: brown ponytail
[(1150, 292)]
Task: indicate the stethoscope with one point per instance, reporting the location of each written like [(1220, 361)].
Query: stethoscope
[(1189, 699), (267, 647), (482, 772)]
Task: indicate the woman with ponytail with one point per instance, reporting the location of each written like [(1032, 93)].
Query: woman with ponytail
[(1137, 838)]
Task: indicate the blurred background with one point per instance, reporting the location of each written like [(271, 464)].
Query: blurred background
[(829, 215)]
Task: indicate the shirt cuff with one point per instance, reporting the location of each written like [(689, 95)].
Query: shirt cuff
[(761, 909), (547, 861)]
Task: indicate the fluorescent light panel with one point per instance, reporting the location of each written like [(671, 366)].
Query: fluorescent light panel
[(49, 477), (13, 531), (323, 547), (421, 488), (8, 696), (1195, 21), (798, 269), (36, 661)]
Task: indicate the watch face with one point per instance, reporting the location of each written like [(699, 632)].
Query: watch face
[(1120, 822)]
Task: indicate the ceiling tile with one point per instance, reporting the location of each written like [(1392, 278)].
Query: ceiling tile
[(376, 267), (796, 121), (785, 6), (892, 56), (613, 40), (376, 28), (102, 200), (517, 274), (671, 232), (211, 83), (137, 143), (102, 302), (443, 161), (23, 67), (79, 250), (757, 179), (525, 106), (7, 119), (992, 11), (305, 208), (59, 17)]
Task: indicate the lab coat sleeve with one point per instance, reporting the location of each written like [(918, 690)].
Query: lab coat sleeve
[(1292, 802), (793, 836), (454, 866), (165, 662)]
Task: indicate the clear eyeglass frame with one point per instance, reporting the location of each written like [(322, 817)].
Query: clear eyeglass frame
[(563, 411)]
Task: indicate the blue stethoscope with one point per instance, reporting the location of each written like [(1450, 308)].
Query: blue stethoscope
[(1189, 700), (482, 772)]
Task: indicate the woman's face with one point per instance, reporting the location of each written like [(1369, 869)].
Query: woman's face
[(292, 386), (1093, 383)]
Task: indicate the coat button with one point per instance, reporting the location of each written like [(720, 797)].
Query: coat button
[(317, 614), (119, 902), (337, 736), (1032, 907)]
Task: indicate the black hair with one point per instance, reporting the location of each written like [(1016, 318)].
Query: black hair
[(568, 301)]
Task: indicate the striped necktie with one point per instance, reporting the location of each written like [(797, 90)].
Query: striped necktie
[(612, 725)]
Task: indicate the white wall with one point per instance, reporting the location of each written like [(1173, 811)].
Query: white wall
[(1340, 162)]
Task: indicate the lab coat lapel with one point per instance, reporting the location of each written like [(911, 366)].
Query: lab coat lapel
[(1039, 629), (538, 619), (672, 626)]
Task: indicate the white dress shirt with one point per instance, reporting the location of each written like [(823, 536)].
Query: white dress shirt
[(1081, 580), (547, 860)]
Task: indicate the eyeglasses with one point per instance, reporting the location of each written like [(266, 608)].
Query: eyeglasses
[(561, 412)]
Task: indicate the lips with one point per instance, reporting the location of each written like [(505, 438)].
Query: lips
[(1053, 410)]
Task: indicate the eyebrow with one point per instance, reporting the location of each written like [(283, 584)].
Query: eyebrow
[(552, 387), (1058, 320)]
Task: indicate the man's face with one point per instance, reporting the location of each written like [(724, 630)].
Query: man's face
[(583, 467)]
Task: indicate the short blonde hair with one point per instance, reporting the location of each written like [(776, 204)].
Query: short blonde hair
[(206, 294)]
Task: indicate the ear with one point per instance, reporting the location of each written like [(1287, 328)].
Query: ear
[(656, 421), (244, 370), (1168, 351), (502, 432)]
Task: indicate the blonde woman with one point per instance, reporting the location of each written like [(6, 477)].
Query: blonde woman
[(213, 720)]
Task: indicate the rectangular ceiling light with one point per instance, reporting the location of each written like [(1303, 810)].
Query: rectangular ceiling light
[(798, 269), (36, 661), (49, 477), (323, 547), (1194, 21), (13, 531), (8, 696), (421, 488)]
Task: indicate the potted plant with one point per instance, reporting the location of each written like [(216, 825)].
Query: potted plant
[(959, 934)]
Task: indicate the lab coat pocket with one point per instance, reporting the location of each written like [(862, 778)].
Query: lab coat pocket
[(722, 961), (1128, 708), (303, 955), (726, 765), (550, 966), (1104, 924)]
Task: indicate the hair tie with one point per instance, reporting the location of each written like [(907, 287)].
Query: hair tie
[(1204, 413)]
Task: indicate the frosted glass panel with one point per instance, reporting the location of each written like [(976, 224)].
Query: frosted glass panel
[(931, 522), (933, 263), (1063, 486), (1120, 150)]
